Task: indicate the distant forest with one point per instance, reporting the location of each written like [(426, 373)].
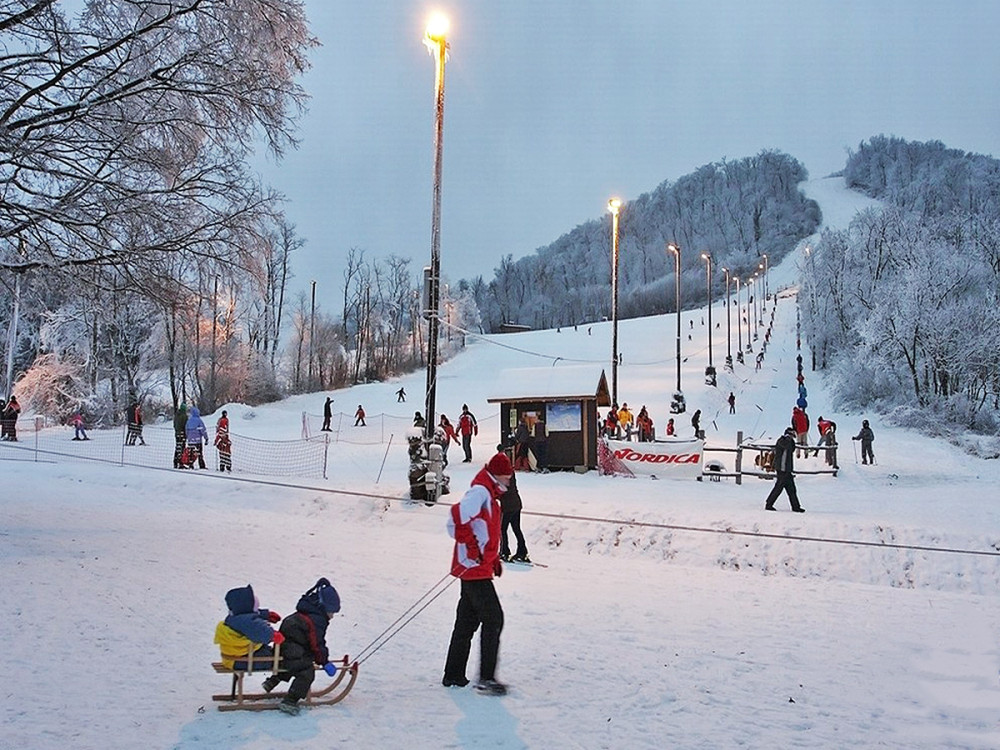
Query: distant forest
[(736, 210), (903, 307)]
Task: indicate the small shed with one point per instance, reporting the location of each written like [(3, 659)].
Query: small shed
[(560, 405)]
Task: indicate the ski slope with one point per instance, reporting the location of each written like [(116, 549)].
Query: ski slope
[(671, 614)]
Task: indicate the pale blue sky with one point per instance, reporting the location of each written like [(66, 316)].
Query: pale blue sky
[(553, 107)]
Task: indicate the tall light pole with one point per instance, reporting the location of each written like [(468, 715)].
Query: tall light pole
[(436, 42), (614, 206), (729, 333), (312, 332), (710, 370), (749, 288), (756, 305), (739, 328), (676, 250), (764, 256)]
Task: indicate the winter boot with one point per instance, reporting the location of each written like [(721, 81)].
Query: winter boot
[(455, 681), (270, 683), (491, 687), (290, 707)]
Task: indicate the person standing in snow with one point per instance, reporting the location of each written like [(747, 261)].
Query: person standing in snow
[(80, 433), (9, 418), (522, 443), (670, 427), (223, 443), (510, 506), (866, 436), (401, 396), (443, 435), (475, 524), (359, 417), (327, 414), (625, 420), (800, 423), (180, 433), (467, 427), (732, 402), (696, 423), (784, 466), (197, 437)]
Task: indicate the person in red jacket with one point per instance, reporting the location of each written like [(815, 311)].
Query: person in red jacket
[(475, 524), (467, 427), (800, 423)]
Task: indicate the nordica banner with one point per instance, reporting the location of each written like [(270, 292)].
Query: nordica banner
[(674, 458)]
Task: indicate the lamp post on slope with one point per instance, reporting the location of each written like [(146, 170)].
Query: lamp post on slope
[(614, 206), (710, 370), (437, 44), (729, 333)]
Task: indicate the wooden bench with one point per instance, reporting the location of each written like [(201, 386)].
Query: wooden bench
[(238, 700)]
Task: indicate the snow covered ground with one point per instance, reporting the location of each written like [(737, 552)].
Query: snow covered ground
[(677, 614)]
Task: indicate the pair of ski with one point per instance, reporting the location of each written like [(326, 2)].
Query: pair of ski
[(526, 563)]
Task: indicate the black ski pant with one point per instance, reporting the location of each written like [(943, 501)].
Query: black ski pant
[(467, 447), (478, 605), (297, 666), (512, 520), (786, 482)]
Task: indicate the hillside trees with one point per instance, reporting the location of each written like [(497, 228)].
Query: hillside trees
[(124, 134), (737, 210), (904, 305)]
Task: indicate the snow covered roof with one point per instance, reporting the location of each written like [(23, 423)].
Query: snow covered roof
[(554, 383)]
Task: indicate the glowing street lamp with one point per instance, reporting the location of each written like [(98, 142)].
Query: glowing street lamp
[(614, 206), (436, 42), (710, 370), (675, 249)]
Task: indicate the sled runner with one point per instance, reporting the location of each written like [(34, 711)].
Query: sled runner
[(237, 700)]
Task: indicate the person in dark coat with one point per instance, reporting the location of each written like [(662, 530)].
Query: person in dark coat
[(510, 506), (327, 414), (305, 644), (784, 466), (418, 420), (866, 436), (180, 433), (522, 439), (9, 416), (696, 423)]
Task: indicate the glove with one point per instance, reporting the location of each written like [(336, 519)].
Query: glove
[(279, 638), (273, 616), (330, 668), (498, 568)]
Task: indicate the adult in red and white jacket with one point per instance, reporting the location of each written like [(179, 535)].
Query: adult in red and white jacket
[(467, 427), (474, 523)]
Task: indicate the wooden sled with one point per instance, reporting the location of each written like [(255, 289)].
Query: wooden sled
[(237, 700)]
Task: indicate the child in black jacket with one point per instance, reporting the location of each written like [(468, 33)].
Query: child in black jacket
[(305, 644)]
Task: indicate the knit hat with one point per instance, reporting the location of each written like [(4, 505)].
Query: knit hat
[(329, 599), (499, 466)]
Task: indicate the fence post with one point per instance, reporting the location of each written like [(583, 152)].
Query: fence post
[(739, 457), (326, 450), (39, 422)]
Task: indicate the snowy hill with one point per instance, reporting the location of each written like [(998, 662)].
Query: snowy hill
[(672, 614)]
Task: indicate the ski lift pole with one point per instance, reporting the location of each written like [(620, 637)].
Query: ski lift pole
[(384, 458)]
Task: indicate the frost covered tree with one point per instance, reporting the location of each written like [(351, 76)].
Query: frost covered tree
[(124, 137)]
